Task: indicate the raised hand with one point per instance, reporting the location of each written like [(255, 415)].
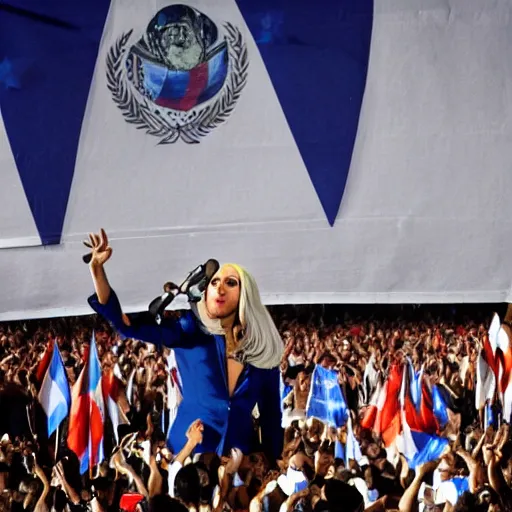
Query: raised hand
[(488, 453), (195, 432), (425, 468), (100, 250), (118, 462)]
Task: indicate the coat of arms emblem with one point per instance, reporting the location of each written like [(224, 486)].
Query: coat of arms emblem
[(182, 78)]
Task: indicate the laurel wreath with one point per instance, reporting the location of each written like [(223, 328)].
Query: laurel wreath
[(139, 111)]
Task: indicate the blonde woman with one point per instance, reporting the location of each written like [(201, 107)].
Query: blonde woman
[(228, 352)]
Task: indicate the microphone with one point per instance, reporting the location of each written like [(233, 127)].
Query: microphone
[(197, 280), (193, 286)]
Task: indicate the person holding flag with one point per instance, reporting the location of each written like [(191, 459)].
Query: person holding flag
[(228, 352)]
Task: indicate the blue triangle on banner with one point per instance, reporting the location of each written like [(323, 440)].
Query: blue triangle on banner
[(317, 54), (43, 99), (9, 76)]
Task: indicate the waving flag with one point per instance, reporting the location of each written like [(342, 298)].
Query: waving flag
[(111, 387), (418, 402), (54, 394), (415, 384), (439, 406), (433, 414), (339, 450), (326, 401), (96, 408), (45, 362), (85, 434), (504, 362), (387, 420), (494, 371), (376, 401), (417, 446), (491, 341), (425, 448), (485, 379), (371, 379), (422, 416)]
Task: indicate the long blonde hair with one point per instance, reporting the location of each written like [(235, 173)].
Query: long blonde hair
[(261, 344)]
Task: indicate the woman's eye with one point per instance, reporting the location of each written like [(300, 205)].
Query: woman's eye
[(232, 283)]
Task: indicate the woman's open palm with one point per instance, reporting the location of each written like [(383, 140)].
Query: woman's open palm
[(100, 250)]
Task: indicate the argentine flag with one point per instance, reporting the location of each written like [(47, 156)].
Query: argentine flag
[(54, 394)]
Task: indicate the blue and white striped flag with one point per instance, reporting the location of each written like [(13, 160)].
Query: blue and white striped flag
[(54, 394)]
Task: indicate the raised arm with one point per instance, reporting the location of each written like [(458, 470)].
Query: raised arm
[(100, 254), (106, 303)]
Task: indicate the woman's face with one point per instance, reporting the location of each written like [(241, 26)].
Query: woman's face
[(223, 293)]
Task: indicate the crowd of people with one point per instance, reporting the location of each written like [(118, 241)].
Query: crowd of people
[(140, 473)]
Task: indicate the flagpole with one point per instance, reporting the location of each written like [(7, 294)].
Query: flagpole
[(29, 419), (56, 443)]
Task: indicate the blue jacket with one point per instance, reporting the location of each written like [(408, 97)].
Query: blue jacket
[(201, 359)]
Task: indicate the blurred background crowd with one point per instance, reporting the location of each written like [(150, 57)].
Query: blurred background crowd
[(392, 408)]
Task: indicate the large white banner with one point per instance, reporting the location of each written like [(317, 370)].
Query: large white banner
[(425, 214)]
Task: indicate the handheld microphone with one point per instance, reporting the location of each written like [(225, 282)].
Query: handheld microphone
[(193, 286)]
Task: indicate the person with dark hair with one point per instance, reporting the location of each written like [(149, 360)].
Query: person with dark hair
[(164, 503), (469, 502), (207, 483), (342, 497), (187, 486)]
